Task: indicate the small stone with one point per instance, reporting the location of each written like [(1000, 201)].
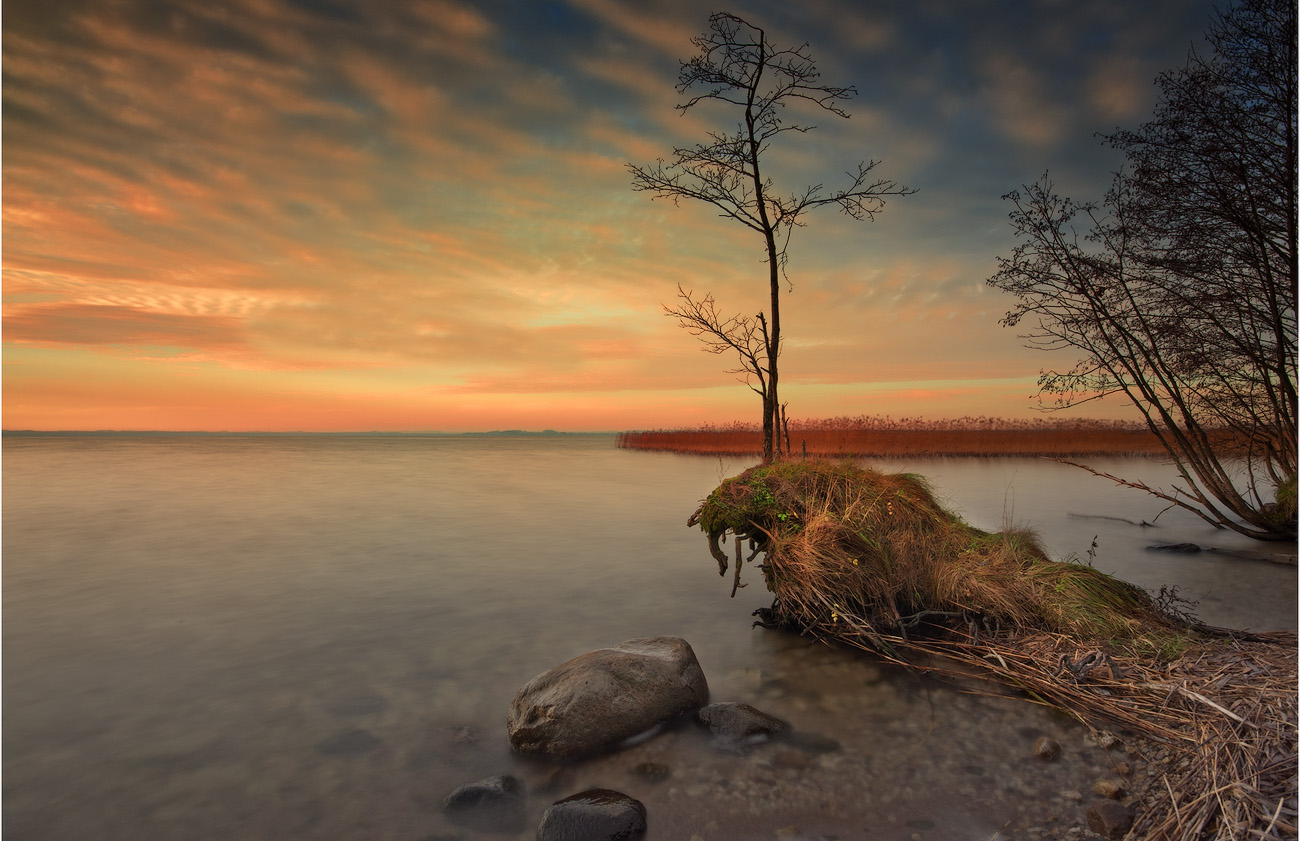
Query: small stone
[(737, 724), (464, 736), (1123, 769), (1105, 740), (1073, 796), (494, 804), (595, 815), (786, 833), (1114, 789), (1110, 819), (1046, 748)]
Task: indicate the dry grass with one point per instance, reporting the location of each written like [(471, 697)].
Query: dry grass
[(857, 557), (906, 437)]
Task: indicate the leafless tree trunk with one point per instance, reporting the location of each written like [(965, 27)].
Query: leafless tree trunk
[(737, 65)]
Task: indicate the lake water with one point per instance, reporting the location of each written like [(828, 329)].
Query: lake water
[(318, 637)]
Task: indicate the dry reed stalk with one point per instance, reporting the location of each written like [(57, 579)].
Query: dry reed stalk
[(1222, 746), (913, 437)]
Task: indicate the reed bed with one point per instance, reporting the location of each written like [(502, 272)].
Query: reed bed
[(882, 437), (869, 560)]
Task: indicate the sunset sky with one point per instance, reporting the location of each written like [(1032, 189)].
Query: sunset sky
[(415, 214)]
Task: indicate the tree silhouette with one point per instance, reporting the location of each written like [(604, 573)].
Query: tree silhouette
[(1181, 295), (738, 66)]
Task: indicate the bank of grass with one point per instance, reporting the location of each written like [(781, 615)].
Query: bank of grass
[(866, 559), (867, 436)]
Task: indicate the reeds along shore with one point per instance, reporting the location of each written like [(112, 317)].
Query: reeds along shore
[(886, 437)]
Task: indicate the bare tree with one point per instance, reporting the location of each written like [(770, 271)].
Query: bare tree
[(1181, 295), (738, 66)]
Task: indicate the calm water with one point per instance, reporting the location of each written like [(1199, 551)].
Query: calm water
[(318, 637)]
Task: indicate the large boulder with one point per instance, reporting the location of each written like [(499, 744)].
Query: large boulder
[(592, 703)]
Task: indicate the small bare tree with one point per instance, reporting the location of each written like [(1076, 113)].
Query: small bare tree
[(738, 66), (746, 337)]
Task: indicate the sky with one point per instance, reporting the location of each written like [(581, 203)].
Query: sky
[(415, 215)]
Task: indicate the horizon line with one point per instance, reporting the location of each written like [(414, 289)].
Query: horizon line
[(251, 432)]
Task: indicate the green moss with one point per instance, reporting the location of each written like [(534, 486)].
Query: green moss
[(851, 547)]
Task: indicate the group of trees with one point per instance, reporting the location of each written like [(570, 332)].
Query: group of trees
[(1179, 292)]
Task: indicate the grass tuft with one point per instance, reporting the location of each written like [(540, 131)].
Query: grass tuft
[(850, 550)]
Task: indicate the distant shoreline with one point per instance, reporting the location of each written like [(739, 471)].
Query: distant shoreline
[(128, 433)]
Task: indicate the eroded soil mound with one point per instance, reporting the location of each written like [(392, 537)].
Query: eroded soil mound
[(871, 560)]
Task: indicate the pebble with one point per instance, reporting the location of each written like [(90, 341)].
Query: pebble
[(1103, 739), (1114, 789), (1047, 749)]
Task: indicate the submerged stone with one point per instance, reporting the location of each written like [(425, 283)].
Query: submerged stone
[(735, 724), (494, 804), (1046, 748)]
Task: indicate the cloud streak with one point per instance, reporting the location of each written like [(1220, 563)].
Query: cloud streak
[(268, 197)]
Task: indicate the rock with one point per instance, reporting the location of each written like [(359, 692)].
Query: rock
[(1178, 548), (495, 804), (1109, 819), (464, 736), (1114, 789), (591, 703), (735, 724), (595, 815), (1104, 740), (1046, 748)]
